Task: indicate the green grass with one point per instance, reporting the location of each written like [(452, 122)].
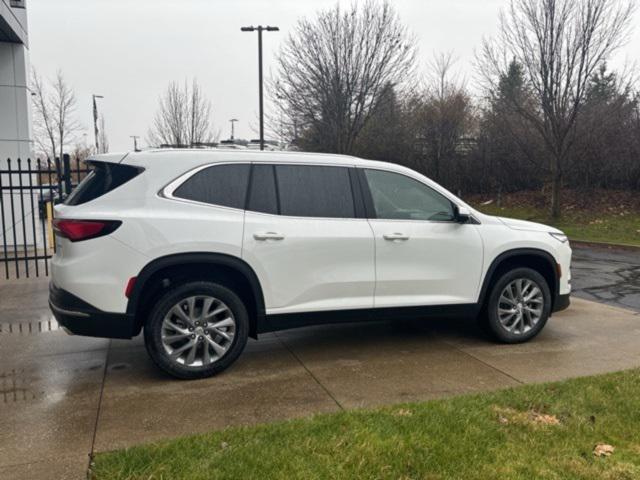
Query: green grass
[(486, 436), (619, 228)]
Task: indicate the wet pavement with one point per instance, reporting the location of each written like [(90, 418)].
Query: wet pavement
[(607, 275), (63, 398)]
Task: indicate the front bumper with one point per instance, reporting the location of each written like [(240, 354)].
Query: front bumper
[(80, 318)]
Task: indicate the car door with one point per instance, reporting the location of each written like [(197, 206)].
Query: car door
[(308, 239), (423, 256)]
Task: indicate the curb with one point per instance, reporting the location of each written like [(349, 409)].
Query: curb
[(610, 246)]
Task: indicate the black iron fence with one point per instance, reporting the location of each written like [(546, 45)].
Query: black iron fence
[(28, 191)]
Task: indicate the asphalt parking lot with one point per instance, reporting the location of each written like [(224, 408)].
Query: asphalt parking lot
[(607, 275), (63, 398)]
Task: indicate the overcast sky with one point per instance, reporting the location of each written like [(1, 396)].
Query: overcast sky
[(129, 50)]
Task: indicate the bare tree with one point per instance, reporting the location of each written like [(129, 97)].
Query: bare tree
[(332, 70), (444, 114), (54, 105), (44, 129), (80, 152), (559, 44), (389, 134), (605, 149), (183, 118)]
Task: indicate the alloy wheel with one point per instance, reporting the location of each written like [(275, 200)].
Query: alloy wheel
[(198, 331), (520, 306)]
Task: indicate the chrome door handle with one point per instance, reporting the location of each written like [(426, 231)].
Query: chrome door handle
[(268, 236), (396, 236)]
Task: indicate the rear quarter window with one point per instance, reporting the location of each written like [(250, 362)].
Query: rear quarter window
[(104, 178), (223, 185)]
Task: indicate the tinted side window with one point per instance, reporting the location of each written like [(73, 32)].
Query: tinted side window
[(398, 197), (104, 178), (262, 194), (314, 191), (224, 185)]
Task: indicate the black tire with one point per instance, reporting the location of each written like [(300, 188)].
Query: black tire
[(153, 329), (490, 320)]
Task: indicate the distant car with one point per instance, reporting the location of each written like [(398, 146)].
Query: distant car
[(268, 145), (232, 144), (203, 249), (48, 193), (231, 147)]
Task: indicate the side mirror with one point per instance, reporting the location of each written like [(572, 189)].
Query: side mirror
[(463, 214)]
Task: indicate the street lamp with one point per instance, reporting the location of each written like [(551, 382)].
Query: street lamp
[(95, 120), (233, 121), (260, 29)]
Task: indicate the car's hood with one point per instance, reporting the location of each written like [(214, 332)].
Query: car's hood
[(527, 226)]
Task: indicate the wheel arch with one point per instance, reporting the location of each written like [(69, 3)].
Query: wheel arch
[(537, 259), (159, 274)]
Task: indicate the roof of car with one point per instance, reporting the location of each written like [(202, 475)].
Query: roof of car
[(198, 156), (171, 162)]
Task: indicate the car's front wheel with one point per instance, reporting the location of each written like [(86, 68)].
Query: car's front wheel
[(519, 305), (197, 330)]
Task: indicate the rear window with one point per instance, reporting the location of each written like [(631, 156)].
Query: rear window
[(104, 178), (224, 185)]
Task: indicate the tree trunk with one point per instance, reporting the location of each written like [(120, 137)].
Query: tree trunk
[(556, 187)]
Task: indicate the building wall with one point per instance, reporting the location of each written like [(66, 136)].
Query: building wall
[(15, 112), (15, 121)]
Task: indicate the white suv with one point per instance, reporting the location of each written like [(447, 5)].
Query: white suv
[(203, 249)]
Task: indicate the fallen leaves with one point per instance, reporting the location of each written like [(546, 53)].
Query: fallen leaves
[(508, 416), (403, 412), (603, 450), (544, 419)]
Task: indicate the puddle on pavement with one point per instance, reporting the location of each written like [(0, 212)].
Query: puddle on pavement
[(16, 386), (29, 328)]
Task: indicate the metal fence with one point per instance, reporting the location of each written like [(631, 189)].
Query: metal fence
[(28, 191)]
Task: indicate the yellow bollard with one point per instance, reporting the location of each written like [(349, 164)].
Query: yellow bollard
[(50, 225)]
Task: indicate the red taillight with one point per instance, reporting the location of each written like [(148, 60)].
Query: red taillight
[(129, 288), (76, 230)]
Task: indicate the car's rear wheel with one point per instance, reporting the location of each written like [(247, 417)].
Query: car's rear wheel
[(518, 307), (197, 330)]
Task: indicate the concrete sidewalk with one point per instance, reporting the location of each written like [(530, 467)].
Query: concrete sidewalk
[(62, 398)]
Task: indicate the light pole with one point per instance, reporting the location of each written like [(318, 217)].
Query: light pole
[(260, 29), (233, 121), (135, 142), (95, 120)]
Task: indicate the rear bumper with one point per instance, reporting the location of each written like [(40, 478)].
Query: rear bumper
[(562, 302), (80, 318)]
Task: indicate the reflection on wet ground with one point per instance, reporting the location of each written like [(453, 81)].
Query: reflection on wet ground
[(15, 388), (29, 328)]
